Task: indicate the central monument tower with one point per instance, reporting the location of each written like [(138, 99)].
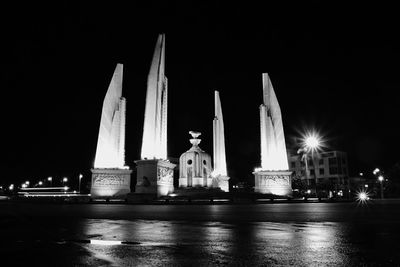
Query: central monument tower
[(274, 176), (154, 171)]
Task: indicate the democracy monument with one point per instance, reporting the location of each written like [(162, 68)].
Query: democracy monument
[(111, 177)]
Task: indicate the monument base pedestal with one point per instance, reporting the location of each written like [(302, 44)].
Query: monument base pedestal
[(221, 182), (110, 183), (273, 182), (155, 177), (195, 182)]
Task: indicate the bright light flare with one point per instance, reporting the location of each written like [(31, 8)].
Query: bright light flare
[(380, 178), (362, 196), (312, 142), (376, 171)]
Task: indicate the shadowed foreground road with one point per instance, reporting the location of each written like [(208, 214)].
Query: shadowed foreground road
[(299, 234)]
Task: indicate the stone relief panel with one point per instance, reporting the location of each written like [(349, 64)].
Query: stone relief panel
[(108, 180), (275, 180), (165, 174)]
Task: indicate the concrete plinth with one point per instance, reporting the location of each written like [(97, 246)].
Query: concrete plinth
[(222, 182), (110, 183), (155, 177), (273, 182)]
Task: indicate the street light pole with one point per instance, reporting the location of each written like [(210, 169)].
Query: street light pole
[(80, 177), (380, 178), (306, 165), (315, 173)]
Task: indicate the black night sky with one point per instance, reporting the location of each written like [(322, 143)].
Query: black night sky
[(334, 68)]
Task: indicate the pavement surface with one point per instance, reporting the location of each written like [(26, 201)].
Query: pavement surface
[(276, 234)]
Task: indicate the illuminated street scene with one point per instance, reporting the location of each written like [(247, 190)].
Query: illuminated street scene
[(200, 134)]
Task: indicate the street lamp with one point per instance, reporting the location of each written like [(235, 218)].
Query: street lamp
[(65, 179), (50, 179), (376, 171), (80, 177), (311, 144), (40, 183), (380, 179)]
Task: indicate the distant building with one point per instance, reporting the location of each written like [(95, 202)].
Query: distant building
[(330, 168)]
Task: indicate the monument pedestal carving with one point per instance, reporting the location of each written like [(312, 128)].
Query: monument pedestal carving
[(110, 183), (222, 182), (155, 177), (273, 182)]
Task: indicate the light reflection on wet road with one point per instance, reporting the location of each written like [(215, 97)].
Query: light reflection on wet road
[(64, 240)]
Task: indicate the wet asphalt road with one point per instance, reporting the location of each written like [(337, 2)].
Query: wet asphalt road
[(280, 234)]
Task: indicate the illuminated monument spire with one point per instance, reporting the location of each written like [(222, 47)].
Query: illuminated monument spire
[(110, 151), (154, 145), (273, 147), (110, 177), (154, 171), (274, 176), (219, 172)]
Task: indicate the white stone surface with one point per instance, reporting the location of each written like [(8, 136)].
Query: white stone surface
[(220, 169), (110, 152), (110, 183), (273, 147), (273, 182), (155, 177), (195, 165), (154, 144)]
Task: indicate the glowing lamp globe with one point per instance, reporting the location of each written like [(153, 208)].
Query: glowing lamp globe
[(312, 142), (363, 196)]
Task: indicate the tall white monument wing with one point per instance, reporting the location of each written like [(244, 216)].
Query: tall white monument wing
[(110, 152), (273, 147), (219, 139), (154, 144)]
